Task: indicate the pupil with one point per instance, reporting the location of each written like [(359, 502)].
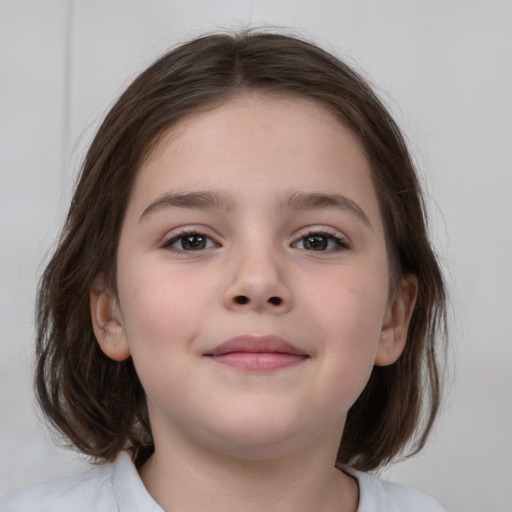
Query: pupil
[(317, 243), (193, 242)]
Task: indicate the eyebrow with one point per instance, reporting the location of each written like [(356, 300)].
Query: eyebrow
[(320, 201), (205, 200), (199, 200)]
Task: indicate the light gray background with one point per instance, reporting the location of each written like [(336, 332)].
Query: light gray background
[(445, 70)]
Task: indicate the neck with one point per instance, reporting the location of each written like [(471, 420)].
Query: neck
[(188, 477)]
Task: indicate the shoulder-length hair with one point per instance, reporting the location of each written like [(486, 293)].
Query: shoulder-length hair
[(98, 404)]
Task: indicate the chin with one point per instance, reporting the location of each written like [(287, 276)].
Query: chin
[(259, 440)]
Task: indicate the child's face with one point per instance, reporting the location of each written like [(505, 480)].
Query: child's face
[(256, 222)]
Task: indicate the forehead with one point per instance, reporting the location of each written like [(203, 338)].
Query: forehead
[(258, 145), (272, 121)]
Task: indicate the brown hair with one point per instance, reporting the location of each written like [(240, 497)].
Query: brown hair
[(99, 404)]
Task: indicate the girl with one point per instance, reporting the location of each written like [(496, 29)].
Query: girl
[(243, 309)]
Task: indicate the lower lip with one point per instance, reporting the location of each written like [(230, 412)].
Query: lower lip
[(258, 361)]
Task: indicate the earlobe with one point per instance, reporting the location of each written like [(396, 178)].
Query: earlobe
[(396, 321), (107, 323)]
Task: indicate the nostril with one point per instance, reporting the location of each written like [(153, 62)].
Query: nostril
[(241, 299), (275, 300)]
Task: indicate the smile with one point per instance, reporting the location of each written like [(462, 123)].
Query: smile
[(257, 353)]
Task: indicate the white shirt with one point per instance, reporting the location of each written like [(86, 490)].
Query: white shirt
[(117, 487)]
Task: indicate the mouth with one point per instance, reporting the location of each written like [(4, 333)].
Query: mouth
[(257, 353)]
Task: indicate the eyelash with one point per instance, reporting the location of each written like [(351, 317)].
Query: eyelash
[(341, 242), (168, 244)]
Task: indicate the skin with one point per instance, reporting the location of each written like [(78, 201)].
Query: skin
[(228, 438)]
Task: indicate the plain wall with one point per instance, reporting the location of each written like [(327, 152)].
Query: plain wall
[(445, 70)]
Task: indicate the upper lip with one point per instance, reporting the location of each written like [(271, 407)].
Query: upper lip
[(256, 344)]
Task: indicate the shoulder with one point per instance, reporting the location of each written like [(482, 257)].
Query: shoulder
[(114, 487), (88, 491), (380, 496)]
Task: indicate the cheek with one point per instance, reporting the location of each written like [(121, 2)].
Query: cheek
[(354, 300), (160, 318), (154, 297), (348, 312)]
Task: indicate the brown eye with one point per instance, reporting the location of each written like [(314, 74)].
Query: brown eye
[(316, 243), (321, 242), (190, 242)]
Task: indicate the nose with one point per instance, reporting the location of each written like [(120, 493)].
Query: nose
[(257, 282)]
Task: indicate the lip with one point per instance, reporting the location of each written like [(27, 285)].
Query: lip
[(257, 353)]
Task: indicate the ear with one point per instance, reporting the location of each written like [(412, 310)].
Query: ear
[(399, 310), (107, 321)]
